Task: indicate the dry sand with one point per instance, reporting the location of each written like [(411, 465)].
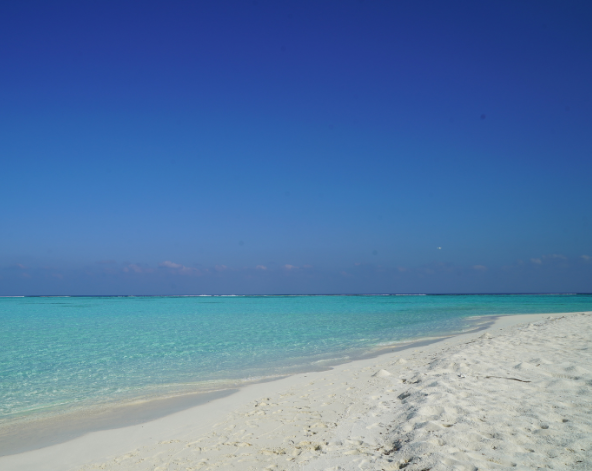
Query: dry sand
[(516, 396)]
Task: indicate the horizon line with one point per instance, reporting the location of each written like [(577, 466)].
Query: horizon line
[(551, 293)]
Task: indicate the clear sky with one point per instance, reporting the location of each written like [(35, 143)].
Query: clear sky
[(191, 147)]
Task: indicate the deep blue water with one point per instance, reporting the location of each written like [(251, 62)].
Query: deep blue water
[(62, 352)]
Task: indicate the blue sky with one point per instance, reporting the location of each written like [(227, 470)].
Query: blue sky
[(295, 147)]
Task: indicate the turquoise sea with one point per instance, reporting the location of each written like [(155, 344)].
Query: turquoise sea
[(63, 353)]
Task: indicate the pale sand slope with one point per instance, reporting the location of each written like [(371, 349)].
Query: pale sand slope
[(514, 397)]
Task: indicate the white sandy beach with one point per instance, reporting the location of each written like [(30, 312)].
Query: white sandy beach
[(516, 396)]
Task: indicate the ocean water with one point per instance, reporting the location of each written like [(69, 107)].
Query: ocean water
[(62, 353)]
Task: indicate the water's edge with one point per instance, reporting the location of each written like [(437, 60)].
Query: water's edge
[(23, 436)]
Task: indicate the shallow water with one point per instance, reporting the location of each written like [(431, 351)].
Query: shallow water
[(59, 353)]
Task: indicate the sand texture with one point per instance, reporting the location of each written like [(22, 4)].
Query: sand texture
[(512, 397)]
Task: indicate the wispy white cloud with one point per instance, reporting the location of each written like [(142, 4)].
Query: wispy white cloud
[(133, 268), (479, 267), (556, 256), (260, 267), (586, 258), (182, 269), (168, 264), (549, 258)]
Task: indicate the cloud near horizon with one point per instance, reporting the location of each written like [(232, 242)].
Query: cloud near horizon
[(180, 269), (169, 277)]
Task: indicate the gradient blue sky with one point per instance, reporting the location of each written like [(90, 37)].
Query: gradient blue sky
[(295, 147)]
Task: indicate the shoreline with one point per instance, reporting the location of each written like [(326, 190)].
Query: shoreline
[(24, 435), (200, 419)]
